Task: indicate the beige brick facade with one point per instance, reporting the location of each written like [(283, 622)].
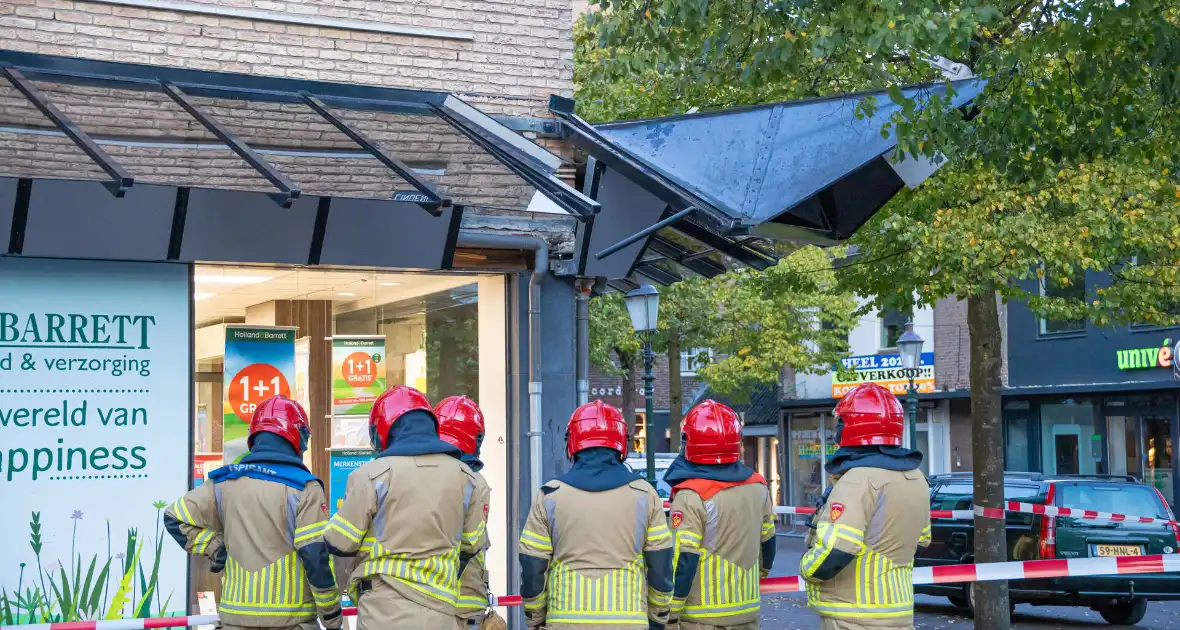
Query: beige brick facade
[(502, 56)]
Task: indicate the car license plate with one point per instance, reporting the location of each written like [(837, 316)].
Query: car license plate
[(1118, 550)]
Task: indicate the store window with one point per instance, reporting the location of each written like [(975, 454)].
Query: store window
[(375, 330), (1017, 436), (1071, 444), (1070, 287), (893, 323)]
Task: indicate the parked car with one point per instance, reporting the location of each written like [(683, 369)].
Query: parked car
[(1120, 599), (638, 463)]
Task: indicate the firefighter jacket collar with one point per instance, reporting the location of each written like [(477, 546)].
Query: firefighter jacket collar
[(598, 469), (708, 488), (415, 434), (473, 462), (268, 448), (886, 457), (682, 470), (294, 476)]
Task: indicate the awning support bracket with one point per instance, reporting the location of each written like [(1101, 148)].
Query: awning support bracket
[(433, 202), (655, 227), (121, 179), (570, 204), (290, 190)]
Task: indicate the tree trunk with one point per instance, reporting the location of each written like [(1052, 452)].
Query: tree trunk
[(627, 364), (675, 393), (987, 431)]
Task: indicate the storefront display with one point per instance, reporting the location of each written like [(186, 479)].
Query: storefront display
[(94, 423), (358, 373), (259, 364)]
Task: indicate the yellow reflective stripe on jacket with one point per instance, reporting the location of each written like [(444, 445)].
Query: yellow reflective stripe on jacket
[(925, 535), (436, 576), (339, 524), (471, 537), (725, 589), (657, 533), (616, 597), (308, 532), (883, 589), (201, 542), (689, 541), (277, 589), (535, 540), (767, 528), (469, 601), (324, 600), (182, 512)]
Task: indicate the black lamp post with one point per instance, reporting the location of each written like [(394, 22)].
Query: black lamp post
[(909, 345), (643, 305)]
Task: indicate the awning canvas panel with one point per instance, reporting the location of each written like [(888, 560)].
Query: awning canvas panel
[(136, 227), (246, 227), (631, 208), (367, 232), (756, 163)]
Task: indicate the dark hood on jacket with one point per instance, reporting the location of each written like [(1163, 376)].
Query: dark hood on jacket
[(598, 469), (473, 462), (682, 470), (269, 448), (886, 457), (414, 433)]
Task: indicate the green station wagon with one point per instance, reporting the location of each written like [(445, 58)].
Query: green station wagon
[(1120, 599)]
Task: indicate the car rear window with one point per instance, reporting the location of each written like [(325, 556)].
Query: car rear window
[(1111, 497), (958, 495)]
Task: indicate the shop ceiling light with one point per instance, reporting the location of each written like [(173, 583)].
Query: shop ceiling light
[(346, 294), (231, 279), (391, 284), (197, 297)]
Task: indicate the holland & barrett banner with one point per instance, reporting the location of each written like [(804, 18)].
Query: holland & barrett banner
[(95, 432), (358, 373), (259, 363)]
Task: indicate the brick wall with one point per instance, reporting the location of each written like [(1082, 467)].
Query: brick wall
[(518, 52), (604, 385), (952, 344)]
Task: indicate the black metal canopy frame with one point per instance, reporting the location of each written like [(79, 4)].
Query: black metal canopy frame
[(530, 162)]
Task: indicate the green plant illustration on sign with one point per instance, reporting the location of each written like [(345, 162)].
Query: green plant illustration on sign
[(80, 590)]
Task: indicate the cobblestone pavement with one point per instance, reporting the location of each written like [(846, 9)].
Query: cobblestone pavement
[(789, 611)]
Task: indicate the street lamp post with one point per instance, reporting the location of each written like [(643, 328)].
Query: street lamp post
[(909, 345), (643, 305)]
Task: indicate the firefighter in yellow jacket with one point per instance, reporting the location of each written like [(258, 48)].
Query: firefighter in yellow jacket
[(460, 422), (413, 517), (860, 561), (596, 551), (723, 520), (261, 522)]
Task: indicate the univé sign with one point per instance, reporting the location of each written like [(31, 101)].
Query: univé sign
[(1161, 356)]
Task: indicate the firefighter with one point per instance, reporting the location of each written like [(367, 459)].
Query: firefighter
[(860, 559), (460, 422), (261, 522), (412, 519), (596, 551), (723, 520)]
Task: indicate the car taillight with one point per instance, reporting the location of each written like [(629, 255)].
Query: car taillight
[(1171, 517), (1047, 543)]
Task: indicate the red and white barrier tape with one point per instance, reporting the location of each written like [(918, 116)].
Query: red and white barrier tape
[(1012, 506), (1127, 565), (1050, 510)]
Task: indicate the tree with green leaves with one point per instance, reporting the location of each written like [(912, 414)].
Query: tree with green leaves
[(1065, 166), (756, 322)]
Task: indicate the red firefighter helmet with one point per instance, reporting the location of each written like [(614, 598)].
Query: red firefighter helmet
[(712, 434), (460, 422), (283, 417), (390, 406), (871, 416), (596, 424)]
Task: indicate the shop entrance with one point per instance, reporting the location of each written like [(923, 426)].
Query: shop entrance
[(1139, 439)]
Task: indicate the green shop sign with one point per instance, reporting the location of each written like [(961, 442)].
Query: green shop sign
[(1161, 356)]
